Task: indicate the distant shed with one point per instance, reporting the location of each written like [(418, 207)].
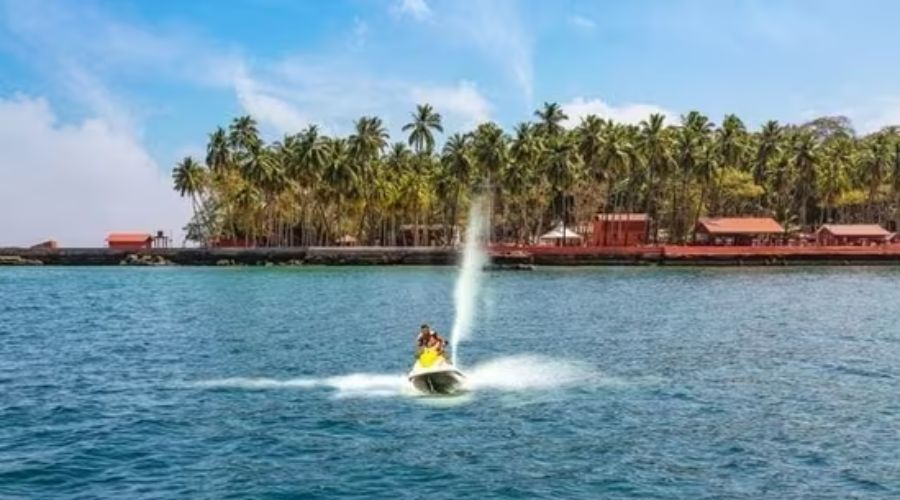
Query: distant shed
[(741, 231), (129, 241), (852, 234), (561, 236), (620, 229), (46, 245)]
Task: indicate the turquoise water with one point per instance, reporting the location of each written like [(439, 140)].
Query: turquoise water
[(586, 383)]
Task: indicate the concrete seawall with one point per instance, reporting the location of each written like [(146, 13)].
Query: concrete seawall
[(238, 256), (501, 257)]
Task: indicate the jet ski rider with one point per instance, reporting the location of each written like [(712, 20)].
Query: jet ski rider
[(429, 338)]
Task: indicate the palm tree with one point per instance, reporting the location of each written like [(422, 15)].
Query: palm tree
[(895, 179), (730, 144), (698, 122), (550, 119), (397, 165), (589, 135), (424, 122), (805, 158), (369, 139), (366, 145), (218, 156), (456, 158), (562, 164), (612, 163), (687, 150), (832, 176), (489, 146), (769, 145), (189, 179), (873, 165), (243, 135), (693, 158), (340, 178), (398, 160), (655, 147), (247, 200), (311, 154), (521, 175)]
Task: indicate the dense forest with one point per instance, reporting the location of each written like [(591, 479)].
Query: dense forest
[(312, 189)]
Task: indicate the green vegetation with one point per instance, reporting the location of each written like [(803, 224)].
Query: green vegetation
[(311, 189)]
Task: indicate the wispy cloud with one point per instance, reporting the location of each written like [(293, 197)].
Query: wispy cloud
[(285, 95), (418, 9), (631, 113), (295, 92), (84, 50), (360, 33), (496, 28), (582, 22)]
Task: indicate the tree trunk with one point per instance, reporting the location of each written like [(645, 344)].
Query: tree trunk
[(564, 207), (453, 215), (699, 210), (651, 208), (673, 215), (897, 211)]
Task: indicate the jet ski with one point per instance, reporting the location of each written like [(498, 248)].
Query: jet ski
[(433, 374)]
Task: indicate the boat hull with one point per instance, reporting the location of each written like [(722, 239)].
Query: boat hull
[(440, 380)]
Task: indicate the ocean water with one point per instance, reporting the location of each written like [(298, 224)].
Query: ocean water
[(585, 383)]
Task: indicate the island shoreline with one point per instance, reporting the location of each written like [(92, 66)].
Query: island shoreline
[(500, 258)]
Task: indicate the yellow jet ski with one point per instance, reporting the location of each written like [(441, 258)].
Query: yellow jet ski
[(433, 374)]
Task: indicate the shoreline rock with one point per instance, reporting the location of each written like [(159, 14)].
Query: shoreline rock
[(18, 260), (145, 260)]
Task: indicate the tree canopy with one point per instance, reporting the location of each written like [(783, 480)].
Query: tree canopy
[(311, 189)]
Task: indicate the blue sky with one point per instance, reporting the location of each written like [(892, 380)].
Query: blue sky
[(148, 79)]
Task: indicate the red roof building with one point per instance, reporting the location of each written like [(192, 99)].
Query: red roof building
[(620, 230), (46, 245), (852, 234), (129, 241), (737, 230)]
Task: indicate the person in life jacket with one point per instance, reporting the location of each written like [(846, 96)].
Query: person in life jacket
[(429, 338)]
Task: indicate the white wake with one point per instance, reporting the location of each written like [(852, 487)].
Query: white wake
[(506, 374)]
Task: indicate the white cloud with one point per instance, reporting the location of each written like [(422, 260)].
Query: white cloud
[(360, 33), (75, 183), (875, 115), (266, 108), (462, 101), (415, 8), (580, 107), (582, 22)]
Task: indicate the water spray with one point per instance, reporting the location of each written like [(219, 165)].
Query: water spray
[(465, 295)]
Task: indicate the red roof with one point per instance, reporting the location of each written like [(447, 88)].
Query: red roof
[(622, 217), (857, 230), (739, 225), (128, 237)]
